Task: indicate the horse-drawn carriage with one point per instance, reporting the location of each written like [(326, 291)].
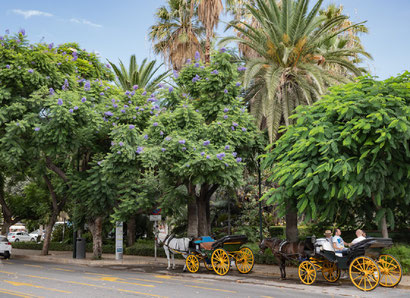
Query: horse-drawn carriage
[(366, 265), (217, 255)]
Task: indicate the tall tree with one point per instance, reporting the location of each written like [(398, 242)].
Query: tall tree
[(290, 44), (177, 35), (142, 76), (208, 13)]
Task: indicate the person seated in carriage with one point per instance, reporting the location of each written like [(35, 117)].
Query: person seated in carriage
[(338, 243), (328, 234), (360, 237)]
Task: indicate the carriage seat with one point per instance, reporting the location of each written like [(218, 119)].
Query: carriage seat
[(231, 239), (204, 242)]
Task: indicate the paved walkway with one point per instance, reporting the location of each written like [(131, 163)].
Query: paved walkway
[(66, 257)]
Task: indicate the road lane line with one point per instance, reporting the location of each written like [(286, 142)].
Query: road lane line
[(30, 265), (141, 293), (96, 273), (119, 280), (212, 289), (175, 278), (61, 269), (23, 284), (13, 273), (147, 280), (18, 294)]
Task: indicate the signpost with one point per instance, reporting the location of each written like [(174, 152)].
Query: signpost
[(155, 217), (119, 240)]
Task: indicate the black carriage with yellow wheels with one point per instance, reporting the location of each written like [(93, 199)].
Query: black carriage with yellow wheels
[(366, 265), (217, 255)]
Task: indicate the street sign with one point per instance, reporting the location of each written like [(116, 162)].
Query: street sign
[(118, 240), (155, 217)]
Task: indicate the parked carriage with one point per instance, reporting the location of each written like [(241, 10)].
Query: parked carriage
[(366, 265), (217, 255)]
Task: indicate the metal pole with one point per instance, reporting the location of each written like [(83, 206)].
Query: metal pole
[(229, 216), (260, 203), (74, 242), (155, 238)]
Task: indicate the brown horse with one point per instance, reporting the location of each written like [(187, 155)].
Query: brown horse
[(285, 250)]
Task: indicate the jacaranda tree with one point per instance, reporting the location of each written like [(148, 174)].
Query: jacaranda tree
[(203, 142), (350, 148)]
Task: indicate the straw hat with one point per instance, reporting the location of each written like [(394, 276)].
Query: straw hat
[(328, 232)]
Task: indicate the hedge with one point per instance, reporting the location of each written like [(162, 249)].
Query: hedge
[(57, 246)]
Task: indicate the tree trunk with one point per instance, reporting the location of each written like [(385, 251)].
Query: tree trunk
[(192, 218), (7, 216), (49, 229), (96, 232), (131, 227), (203, 224), (207, 50), (383, 226), (291, 221)]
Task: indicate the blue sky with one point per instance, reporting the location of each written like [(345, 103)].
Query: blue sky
[(117, 29)]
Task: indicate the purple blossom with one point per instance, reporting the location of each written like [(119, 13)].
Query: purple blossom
[(36, 128), (206, 143), (197, 110), (114, 124), (101, 93), (197, 64), (109, 113), (131, 126), (51, 90), (183, 148), (144, 93), (22, 31), (234, 124), (139, 150), (233, 128), (188, 61), (7, 31), (171, 89), (202, 67), (222, 50), (238, 160), (127, 92), (121, 144), (112, 143), (220, 155), (238, 84), (134, 117), (71, 110), (227, 147), (115, 106), (155, 124), (225, 116), (202, 153), (226, 110), (161, 133), (51, 45), (65, 85), (30, 70), (99, 163), (122, 111), (188, 165), (226, 91), (87, 86), (168, 138), (126, 106), (59, 63), (234, 154), (196, 78), (113, 100), (137, 108), (226, 165), (107, 65), (163, 149), (60, 102), (118, 152), (176, 75), (83, 99), (181, 141), (146, 137), (8, 66), (135, 87), (215, 72), (243, 129), (241, 68), (18, 124), (197, 56), (208, 157), (75, 108)]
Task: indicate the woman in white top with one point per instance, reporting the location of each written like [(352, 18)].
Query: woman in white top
[(360, 237)]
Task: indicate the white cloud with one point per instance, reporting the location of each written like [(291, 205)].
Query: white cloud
[(31, 13), (85, 22)]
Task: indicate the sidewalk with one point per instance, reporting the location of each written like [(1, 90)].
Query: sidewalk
[(66, 257)]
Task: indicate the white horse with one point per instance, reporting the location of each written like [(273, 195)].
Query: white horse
[(171, 245)]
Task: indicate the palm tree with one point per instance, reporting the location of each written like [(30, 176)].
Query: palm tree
[(177, 35), (208, 13), (143, 76), (293, 64)]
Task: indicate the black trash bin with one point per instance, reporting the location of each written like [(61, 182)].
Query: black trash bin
[(80, 248)]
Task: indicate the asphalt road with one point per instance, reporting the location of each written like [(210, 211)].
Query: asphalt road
[(22, 278)]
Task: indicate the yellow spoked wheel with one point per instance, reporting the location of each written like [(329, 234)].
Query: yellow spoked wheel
[(390, 271), (364, 273), (307, 272), (330, 271), (208, 266), (220, 261), (192, 263), (244, 260)]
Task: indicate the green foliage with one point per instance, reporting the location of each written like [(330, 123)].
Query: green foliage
[(57, 234), (350, 147)]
